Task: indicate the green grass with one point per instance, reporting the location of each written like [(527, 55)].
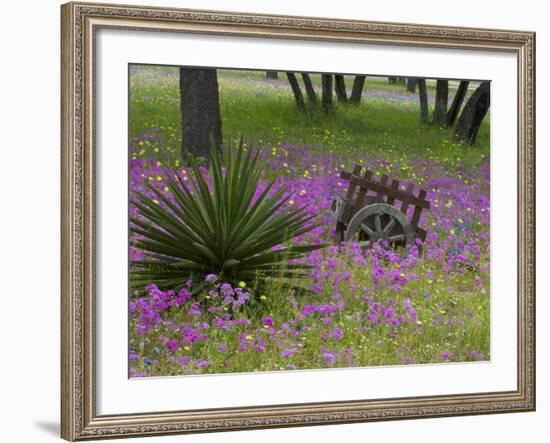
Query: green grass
[(265, 113)]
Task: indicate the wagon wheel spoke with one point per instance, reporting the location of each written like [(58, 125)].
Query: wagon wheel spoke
[(366, 229), (378, 222), (390, 225), (397, 237)]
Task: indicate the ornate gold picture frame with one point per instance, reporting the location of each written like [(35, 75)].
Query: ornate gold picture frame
[(80, 23)]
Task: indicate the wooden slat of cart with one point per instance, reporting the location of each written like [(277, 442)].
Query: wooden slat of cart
[(383, 192), (406, 201), (347, 210), (397, 194), (418, 210), (394, 187), (362, 194)]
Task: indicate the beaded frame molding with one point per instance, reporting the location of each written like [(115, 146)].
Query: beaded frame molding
[(79, 22)]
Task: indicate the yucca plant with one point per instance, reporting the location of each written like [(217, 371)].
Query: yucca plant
[(220, 229)]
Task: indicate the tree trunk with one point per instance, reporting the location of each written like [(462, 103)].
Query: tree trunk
[(457, 102), (310, 91), (411, 84), (273, 75), (326, 82), (200, 111), (298, 96), (340, 88), (357, 89), (473, 113), (441, 99), (423, 97)]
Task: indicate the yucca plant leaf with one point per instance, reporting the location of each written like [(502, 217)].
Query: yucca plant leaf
[(193, 215), (217, 222)]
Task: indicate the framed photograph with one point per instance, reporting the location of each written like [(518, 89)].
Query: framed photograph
[(283, 221)]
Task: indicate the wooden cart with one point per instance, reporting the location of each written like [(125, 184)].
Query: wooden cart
[(378, 210)]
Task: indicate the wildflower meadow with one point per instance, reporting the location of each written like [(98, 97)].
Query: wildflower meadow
[(236, 266)]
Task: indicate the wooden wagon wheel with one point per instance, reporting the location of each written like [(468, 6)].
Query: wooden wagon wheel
[(380, 222)]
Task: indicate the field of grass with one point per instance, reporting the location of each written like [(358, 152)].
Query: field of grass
[(366, 307), (386, 124)]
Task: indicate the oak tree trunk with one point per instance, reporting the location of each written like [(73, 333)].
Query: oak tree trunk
[(326, 86), (340, 88), (357, 89), (200, 111), (310, 91), (441, 99), (298, 96), (473, 113), (411, 84), (457, 102), (423, 98)]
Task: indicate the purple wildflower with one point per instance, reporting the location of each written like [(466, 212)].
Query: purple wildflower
[(172, 345)]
